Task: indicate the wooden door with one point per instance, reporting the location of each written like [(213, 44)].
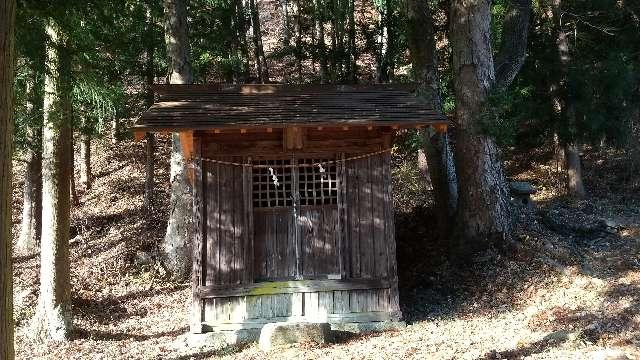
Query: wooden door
[(296, 219)]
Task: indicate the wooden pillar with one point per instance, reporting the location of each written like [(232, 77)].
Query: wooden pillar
[(199, 223)]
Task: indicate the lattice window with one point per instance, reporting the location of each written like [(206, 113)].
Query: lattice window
[(317, 179), (272, 183)]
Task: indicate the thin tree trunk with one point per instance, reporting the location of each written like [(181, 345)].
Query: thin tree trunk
[(241, 36), (176, 253), (150, 74), (286, 34), (299, 41), (115, 130), (262, 67), (575, 187), (383, 47), (352, 72), (7, 29), (484, 213), (72, 179), (31, 224), (53, 315), (439, 158), (149, 183), (566, 105), (86, 177), (321, 47)]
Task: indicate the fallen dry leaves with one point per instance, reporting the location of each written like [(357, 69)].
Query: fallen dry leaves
[(557, 295)]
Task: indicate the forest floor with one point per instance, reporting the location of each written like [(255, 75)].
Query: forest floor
[(570, 289)]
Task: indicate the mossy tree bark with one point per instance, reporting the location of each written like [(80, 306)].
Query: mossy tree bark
[(484, 214), (53, 315), (437, 151), (7, 29), (176, 251)]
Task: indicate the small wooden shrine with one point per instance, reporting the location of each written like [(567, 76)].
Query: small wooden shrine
[(292, 199)]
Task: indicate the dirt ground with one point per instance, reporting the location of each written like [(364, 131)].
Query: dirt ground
[(568, 289)]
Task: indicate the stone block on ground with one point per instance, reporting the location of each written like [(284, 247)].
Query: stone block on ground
[(282, 333)]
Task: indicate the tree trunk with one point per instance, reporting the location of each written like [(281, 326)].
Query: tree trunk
[(422, 46), (286, 35), (513, 48), (150, 74), (7, 61), (262, 67), (72, 179), (575, 187), (321, 47), (566, 107), (299, 41), (86, 177), (31, 224), (149, 183), (384, 45), (115, 130), (53, 315), (483, 214), (351, 39), (241, 38), (176, 254)]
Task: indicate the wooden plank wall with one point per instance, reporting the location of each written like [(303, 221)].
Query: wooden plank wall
[(226, 238), (274, 244), (319, 240), (369, 223), (341, 305)]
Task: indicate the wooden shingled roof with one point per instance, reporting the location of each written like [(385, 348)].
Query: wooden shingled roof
[(201, 107)]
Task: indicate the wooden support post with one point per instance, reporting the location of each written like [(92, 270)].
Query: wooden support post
[(186, 141), (293, 138), (440, 128), (199, 257), (139, 135)]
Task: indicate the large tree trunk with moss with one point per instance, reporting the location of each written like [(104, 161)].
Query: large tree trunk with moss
[(7, 28), (31, 224), (176, 252), (422, 45), (53, 315), (483, 215)]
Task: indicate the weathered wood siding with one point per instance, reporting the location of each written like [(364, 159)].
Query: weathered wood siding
[(333, 306), (239, 245), (319, 240), (226, 235), (274, 244), (368, 220)]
